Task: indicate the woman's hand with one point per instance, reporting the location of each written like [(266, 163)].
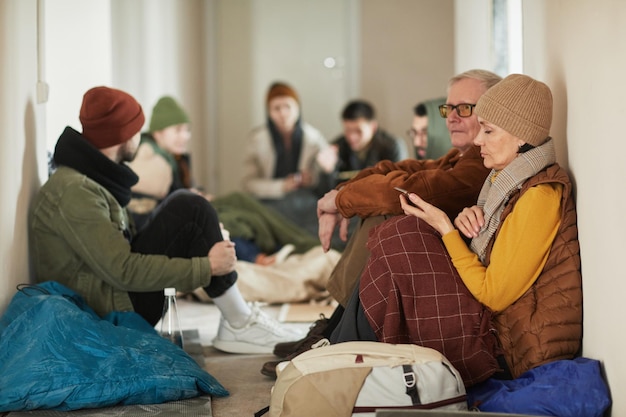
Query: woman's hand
[(435, 217), (470, 221), (222, 257)]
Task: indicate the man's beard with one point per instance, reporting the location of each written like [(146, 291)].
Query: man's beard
[(126, 153)]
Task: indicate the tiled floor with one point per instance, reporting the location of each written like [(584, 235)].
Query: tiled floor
[(204, 317), (240, 374)]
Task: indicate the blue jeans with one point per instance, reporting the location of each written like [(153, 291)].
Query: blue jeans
[(184, 225)]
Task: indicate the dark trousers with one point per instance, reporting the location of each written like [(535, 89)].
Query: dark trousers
[(184, 225), (352, 323)]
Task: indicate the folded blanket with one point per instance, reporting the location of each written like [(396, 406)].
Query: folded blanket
[(56, 353), (300, 277)]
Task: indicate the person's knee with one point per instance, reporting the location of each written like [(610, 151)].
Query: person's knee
[(184, 196), (185, 200)]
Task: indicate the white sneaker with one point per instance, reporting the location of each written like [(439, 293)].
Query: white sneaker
[(259, 335)]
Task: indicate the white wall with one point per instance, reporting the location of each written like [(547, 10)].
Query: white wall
[(407, 56), (166, 47), (77, 57), (472, 35), (28, 129), (576, 47), (21, 134), (580, 54)]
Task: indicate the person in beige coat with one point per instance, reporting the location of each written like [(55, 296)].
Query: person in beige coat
[(281, 153), (280, 167)]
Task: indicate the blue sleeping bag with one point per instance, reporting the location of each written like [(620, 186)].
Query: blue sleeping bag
[(57, 353), (564, 388)]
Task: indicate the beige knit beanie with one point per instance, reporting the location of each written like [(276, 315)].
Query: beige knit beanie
[(520, 105)]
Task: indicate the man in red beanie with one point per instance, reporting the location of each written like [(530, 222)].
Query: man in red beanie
[(83, 237)]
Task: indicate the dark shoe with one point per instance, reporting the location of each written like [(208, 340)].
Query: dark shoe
[(284, 349), (269, 368)]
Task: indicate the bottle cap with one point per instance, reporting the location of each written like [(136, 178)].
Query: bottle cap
[(170, 291)]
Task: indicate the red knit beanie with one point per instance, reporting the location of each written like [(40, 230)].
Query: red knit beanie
[(279, 89), (110, 117)]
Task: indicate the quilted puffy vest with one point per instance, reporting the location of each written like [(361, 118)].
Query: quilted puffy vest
[(545, 324)]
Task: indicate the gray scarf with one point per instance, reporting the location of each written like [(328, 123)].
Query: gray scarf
[(499, 186)]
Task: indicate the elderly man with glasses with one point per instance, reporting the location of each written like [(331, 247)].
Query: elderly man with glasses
[(451, 182)]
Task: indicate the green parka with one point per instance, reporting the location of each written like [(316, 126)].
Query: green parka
[(77, 237)]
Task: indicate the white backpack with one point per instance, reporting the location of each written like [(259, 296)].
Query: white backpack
[(357, 378)]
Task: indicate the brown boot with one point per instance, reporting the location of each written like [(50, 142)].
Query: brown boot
[(285, 349), (269, 368)]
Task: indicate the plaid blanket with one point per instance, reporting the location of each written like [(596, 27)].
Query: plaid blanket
[(411, 293)]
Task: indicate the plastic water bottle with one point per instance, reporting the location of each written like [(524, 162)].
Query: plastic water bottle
[(170, 325), (225, 234)]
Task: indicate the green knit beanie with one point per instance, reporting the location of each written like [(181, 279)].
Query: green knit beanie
[(167, 112)]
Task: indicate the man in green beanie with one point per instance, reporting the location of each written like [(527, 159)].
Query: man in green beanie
[(162, 161), (163, 166)]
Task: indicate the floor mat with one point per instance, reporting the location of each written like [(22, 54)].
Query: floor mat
[(192, 407)]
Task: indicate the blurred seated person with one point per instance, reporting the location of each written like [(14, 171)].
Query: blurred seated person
[(280, 168), (430, 135), (362, 145), (162, 164), (162, 160), (281, 153)]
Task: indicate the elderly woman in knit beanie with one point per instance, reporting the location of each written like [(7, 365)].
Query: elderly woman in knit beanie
[(281, 153), (511, 299)]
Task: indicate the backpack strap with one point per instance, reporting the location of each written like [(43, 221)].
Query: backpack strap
[(262, 411), (410, 381)]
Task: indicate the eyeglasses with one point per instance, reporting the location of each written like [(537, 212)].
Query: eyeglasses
[(463, 109)]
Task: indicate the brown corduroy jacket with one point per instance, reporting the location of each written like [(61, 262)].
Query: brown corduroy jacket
[(451, 183), (545, 324)]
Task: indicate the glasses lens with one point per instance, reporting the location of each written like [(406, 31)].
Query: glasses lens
[(464, 110), (443, 111)]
